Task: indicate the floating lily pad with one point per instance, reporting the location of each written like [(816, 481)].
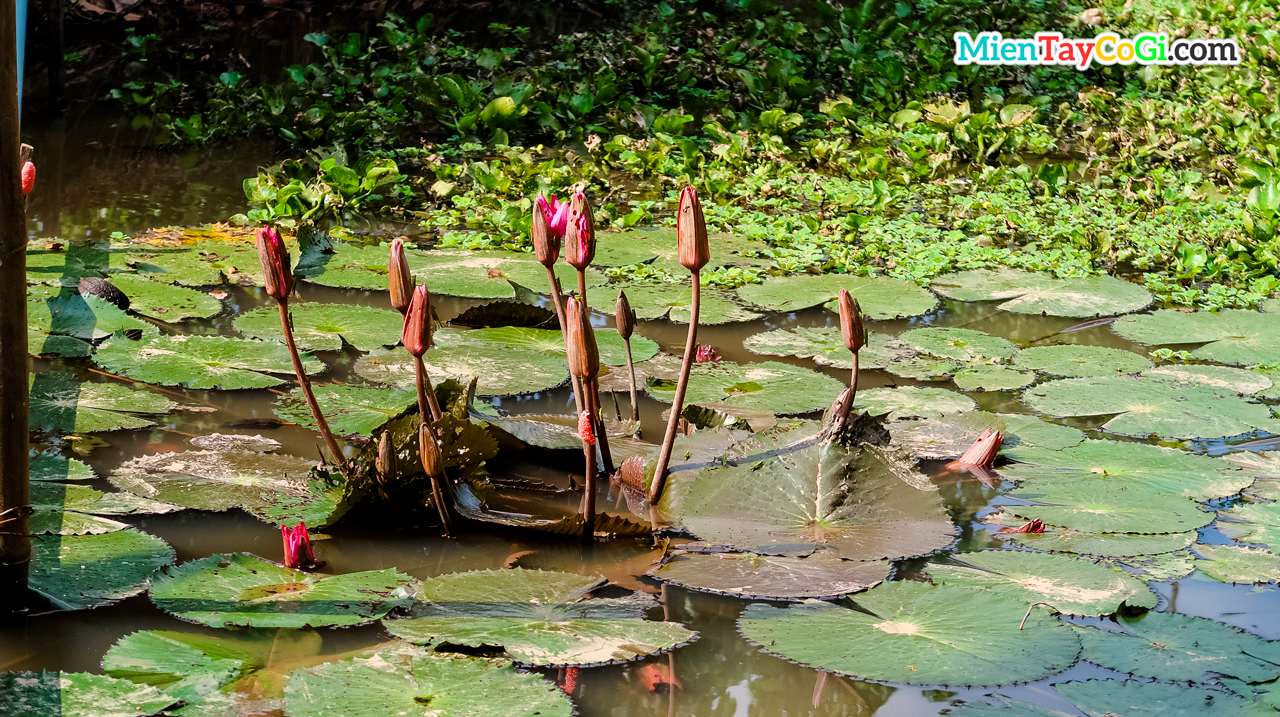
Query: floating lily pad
[(1236, 564), (1081, 361), (60, 403), (65, 266), (959, 344), (1258, 522), (1163, 567), (1102, 545), (1220, 378), (826, 348), (54, 467), (85, 571), (672, 301), (1027, 293), (1071, 585), (539, 618), (239, 589), (1005, 707), (1145, 406), (202, 362), (992, 378), (165, 302), (476, 275), (349, 410), (659, 246), (1231, 336), (560, 432), (1110, 507), (912, 402), (1176, 648), (507, 313), (1267, 693), (275, 488), (402, 680), (769, 386), (40, 343), (472, 500), (82, 316), (77, 694), (879, 298), (1116, 698), (919, 634), (951, 435), (185, 266), (74, 509), (772, 577), (324, 327), (925, 368)]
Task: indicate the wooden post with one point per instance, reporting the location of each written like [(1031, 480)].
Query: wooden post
[(15, 547)]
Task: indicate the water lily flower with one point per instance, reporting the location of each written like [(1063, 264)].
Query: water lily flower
[(297, 548), (706, 354), (691, 232), (584, 428), (851, 329), (28, 178), (416, 334), (1035, 526), (982, 453), (625, 315), (277, 274), (580, 233), (584, 355), (399, 277)]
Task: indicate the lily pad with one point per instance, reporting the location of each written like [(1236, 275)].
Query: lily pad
[(239, 589), (1258, 522), (1236, 564), (1143, 406), (1231, 336), (349, 410), (82, 316), (879, 298), (85, 571), (275, 488), (912, 402), (672, 301), (74, 509), (992, 378), (77, 694), (1101, 545), (185, 266), (48, 466), (324, 327), (919, 634), (772, 577), (1116, 698), (1081, 361), (925, 368), (165, 302), (1177, 648), (1163, 567), (59, 403), (959, 344), (769, 386), (1071, 585), (202, 362), (539, 618), (65, 265), (1110, 507), (403, 680), (826, 348), (1220, 378), (1027, 293), (951, 435)]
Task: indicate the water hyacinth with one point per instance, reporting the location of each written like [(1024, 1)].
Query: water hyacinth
[(297, 548), (580, 233), (399, 277)]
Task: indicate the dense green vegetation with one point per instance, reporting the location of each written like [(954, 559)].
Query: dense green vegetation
[(844, 137)]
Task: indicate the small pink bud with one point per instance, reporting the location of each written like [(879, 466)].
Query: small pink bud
[(28, 178), (691, 232), (625, 316), (277, 272), (399, 277), (297, 548), (416, 334), (851, 329), (580, 235)]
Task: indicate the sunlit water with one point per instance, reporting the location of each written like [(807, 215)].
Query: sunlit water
[(106, 180)]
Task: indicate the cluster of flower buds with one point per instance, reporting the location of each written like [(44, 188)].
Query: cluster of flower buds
[(399, 277), (550, 219), (416, 334), (691, 232), (297, 548), (277, 270), (28, 178)]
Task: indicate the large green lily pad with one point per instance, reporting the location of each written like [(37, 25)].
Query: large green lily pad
[(202, 362), (185, 266), (772, 577), (82, 316), (1220, 378), (50, 466), (324, 327), (912, 402), (65, 265), (1102, 545), (1071, 585), (165, 302), (1143, 406), (980, 377), (1027, 293), (959, 344), (357, 410), (920, 634), (239, 589), (1116, 698), (403, 680), (1176, 648), (1231, 336), (85, 571), (77, 694), (879, 298), (768, 386), (825, 346), (659, 246), (1257, 522), (59, 403), (1237, 564), (539, 618), (75, 509), (1081, 361), (1110, 507), (951, 435), (673, 301)]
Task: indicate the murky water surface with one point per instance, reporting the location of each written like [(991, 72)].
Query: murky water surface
[(96, 179)]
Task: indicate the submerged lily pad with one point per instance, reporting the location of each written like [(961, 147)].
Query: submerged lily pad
[(1116, 698), (239, 589), (77, 694), (769, 386), (1177, 648), (1081, 361), (402, 680), (59, 403), (165, 302), (879, 298), (1027, 293), (951, 435), (202, 362), (1143, 406), (539, 618), (324, 327), (912, 402), (772, 577), (1231, 336), (826, 348), (673, 301), (358, 410), (959, 344), (85, 571), (919, 634), (1237, 564), (1110, 507), (1071, 585)]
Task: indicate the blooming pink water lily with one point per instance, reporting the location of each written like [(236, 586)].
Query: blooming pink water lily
[(706, 354), (297, 548), (555, 212), (580, 234)]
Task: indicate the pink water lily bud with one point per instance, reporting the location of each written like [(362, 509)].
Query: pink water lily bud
[(549, 221), (416, 334), (691, 232), (28, 178), (297, 548), (983, 452), (584, 428), (706, 354), (580, 234), (277, 272), (583, 353), (399, 277), (625, 316), (1035, 526), (851, 329), (430, 453)]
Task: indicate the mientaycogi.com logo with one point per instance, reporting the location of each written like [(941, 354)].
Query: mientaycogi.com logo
[(1108, 48)]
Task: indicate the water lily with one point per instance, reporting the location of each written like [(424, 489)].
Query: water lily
[(1035, 526), (297, 548), (277, 273), (982, 453), (584, 363), (691, 232), (398, 276), (416, 336), (550, 220), (580, 232), (706, 354), (385, 463), (851, 330), (28, 178), (584, 354)]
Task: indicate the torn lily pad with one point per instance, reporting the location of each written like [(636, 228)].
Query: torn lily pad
[(77, 694), (1027, 293), (1177, 648), (1081, 361), (75, 509), (1230, 336), (879, 298), (237, 589), (165, 302), (965, 345), (59, 403), (825, 346), (325, 327), (951, 435), (673, 301), (77, 572), (349, 410), (772, 577), (1237, 564), (768, 386), (919, 634), (202, 362), (912, 402), (538, 617)]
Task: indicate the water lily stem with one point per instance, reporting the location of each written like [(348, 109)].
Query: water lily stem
[(557, 298), (305, 383), (589, 494), (427, 403), (631, 382), (677, 403), (597, 422)]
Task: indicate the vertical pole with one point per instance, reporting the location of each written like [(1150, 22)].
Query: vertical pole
[(15, 547), (57, 42)]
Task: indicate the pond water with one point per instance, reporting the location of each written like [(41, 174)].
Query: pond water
[(106, 180)]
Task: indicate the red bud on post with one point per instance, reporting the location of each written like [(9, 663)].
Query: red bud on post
[(691, 232), (584, 355), (851, 329), (28, 178), (399, 277), (417, 322), (625, 316), (277, 272), (580, 234)]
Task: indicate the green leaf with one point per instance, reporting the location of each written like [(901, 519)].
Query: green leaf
[(1080, 361), (349, 410), (1235, 564), (912, 402), (240, 589), (919, 634), (880, 298), (1101, 698), (72, 509), (539, 617), (202, 362), (1110, 507), (772, 577), (951, 435), (86, 571), (958, 344), (1219, 378), (494, 356), (769, 386), (1027, 293), (324, 327), (59, 403), (1101, 545), (85, 317), (190, 266), (992, 378), (1231, 336), (1176, 648), (165, 302), (673, 301), (50, 466), (825, 346), (77, 694), (1070, 585)]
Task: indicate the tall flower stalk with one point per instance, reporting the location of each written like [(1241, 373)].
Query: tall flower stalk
[(580, 251), (855, 337), (550, 217), (433, 465), (694, 253), (416, 337), (584, 362), (626, 320), (277, 276)]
